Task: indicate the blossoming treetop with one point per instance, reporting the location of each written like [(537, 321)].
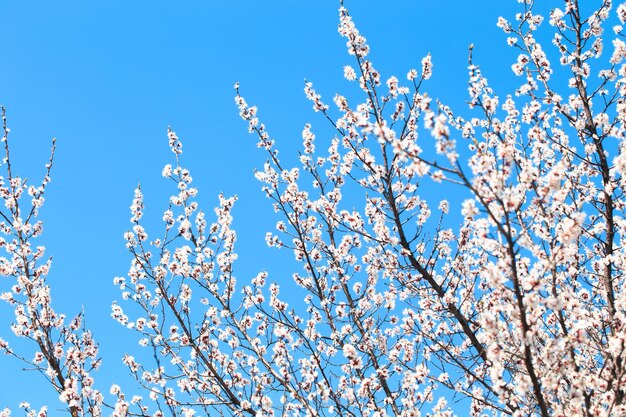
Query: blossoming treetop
[(519, 309)]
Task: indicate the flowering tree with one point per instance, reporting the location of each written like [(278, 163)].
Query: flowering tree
[(66, 352), (519, 310)]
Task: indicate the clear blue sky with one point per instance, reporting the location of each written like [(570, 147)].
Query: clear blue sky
[(106, 78)]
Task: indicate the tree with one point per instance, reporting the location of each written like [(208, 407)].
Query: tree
[(518, 310)]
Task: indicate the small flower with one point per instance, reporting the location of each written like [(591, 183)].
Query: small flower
[(348, 73)]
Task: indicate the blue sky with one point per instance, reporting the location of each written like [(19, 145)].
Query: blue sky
[(107, 79)]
